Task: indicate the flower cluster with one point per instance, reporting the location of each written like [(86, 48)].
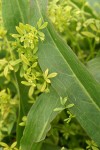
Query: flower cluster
[(26, 44), (7, 147), (76, 24), (8, 107), (20, 55)]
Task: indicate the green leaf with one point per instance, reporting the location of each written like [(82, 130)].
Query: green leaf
[(24, 59), (73, 81), (94, 68), (3, 144), (70, 105), (19, 30), (31, 90), (14, 12), (25, 83), (63, 100), (39, 123), (52, 75), (14, 144), (59, 109), (43, 87), (43, 26), (6, 70), (13, 63), (39, 23), (88, 34)]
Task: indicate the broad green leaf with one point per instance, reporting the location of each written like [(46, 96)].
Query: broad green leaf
[(73, 81), (94, 67), (39, 118)]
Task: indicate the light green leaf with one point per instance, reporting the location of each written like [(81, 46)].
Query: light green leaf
[(63, 100), (31, 90), (24, 59), (41, 35), (59, 109), (43, 26), (10, 67), (46, 73), (3, 144), (52, 75), (19, 30), (43, 87), (39, 23), (6, 69), (14, 144), (93, 27), (88, 34), (25, 83), (15, 62), (34, 65), (70, 105)]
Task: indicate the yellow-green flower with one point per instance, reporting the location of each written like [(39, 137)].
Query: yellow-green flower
[(7, 147), (47, 78)]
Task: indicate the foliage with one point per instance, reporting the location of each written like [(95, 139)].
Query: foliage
[(77, 24), (43, 84)]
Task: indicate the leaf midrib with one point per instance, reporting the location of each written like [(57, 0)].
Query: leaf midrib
[(21, 14)]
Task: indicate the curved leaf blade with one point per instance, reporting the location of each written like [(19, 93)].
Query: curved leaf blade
[(74, 80), (39, 118)]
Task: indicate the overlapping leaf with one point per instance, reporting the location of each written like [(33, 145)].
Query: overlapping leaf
[(73, 81)]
